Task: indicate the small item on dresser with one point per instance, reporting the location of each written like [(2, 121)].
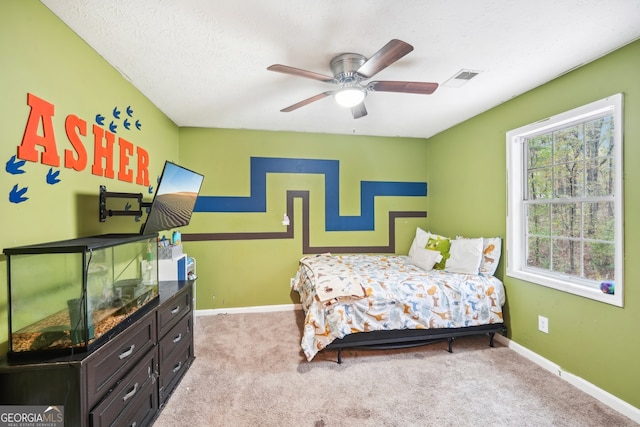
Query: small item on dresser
[(176, 238), (170, 252)]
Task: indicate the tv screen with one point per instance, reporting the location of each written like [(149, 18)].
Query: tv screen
[(174, 199)]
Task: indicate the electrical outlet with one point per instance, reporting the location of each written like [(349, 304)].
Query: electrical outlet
[(543, 324)]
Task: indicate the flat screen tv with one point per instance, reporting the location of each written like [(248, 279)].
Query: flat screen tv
[(174, 199)]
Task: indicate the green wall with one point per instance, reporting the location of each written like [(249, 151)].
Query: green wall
[(464, 166), (42, 56), (240, 273), (467, 179)]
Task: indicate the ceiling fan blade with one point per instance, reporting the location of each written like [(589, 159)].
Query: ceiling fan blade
[(359, 111), (307, 101), (422, 88), (386, 56), (299, 72)]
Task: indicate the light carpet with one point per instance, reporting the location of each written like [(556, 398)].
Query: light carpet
[(250, 371)]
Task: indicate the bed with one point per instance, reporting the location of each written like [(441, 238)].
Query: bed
[(388, 301)]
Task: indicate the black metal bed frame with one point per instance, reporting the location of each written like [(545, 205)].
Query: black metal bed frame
[(402, 338)]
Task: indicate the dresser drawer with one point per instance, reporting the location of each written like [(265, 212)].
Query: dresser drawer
[(142, 411), (106, 367), (173, 368), (132, 398), (174, 309), (179, 336)]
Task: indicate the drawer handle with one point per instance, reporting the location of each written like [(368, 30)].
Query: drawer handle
[(131, 393), (178, 338), (177, 368), (127, 352), (175, 310)]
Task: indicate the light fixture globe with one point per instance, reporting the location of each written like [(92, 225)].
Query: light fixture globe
[(344, 68), (350, 96)]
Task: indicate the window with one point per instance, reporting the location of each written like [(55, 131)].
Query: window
[(564, 219)]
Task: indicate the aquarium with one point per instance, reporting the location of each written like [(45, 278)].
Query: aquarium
[(74, 295)]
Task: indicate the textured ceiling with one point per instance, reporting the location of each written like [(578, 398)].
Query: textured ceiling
[(203, 62)]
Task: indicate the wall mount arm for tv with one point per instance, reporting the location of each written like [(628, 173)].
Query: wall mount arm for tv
[(104, 212)]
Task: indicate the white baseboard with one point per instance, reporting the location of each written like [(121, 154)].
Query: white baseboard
[(256, 309), (603, 396)]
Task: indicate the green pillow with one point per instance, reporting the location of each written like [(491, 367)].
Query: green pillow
[(442, 246)]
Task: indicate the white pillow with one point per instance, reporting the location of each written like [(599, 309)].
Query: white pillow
[(465, 256), (419, 242), (425, 258), (490, 255), (491, 249)]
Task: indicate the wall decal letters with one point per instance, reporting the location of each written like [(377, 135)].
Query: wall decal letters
[(41, 113), (39, 145)]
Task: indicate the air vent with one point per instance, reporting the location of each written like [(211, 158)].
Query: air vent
[(466, 75), (461, 78)]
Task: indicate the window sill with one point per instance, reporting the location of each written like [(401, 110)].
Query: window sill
[(568, 287)]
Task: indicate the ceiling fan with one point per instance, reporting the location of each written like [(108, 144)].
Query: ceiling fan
[(350, 72)]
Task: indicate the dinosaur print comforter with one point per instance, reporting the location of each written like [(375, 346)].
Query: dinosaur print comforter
[(345, 294)]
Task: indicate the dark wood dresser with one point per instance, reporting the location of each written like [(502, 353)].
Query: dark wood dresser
[(126, 381)]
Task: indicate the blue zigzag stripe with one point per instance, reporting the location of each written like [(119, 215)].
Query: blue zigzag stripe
[(257, 201)]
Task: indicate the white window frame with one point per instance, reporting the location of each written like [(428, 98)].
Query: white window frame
[(516, 218)]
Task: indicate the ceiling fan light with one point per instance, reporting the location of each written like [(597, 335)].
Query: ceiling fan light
[(349, 97)]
